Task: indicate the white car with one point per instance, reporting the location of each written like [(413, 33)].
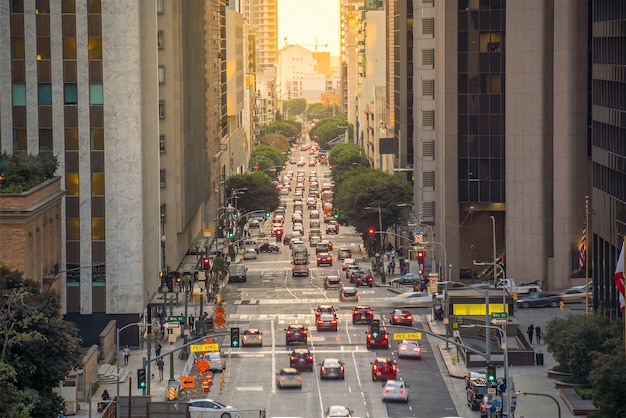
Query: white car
[(249, 254), (409, 349), (208, 408), (395, 390), (216, 360), (415, 299)]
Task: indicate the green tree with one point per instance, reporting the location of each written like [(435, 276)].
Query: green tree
[(320, 111), (608, 379), (38, 348), (294, 107), (260, 193), (328, 129), (277, 141), (345, 157), (264, 153), (287, 128), (21, 172)]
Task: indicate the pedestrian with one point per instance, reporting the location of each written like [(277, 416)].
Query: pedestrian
[(538, 334), (192, 321), (160, 366), (393, 266), (530, 331), (126, 354), (389, 268), (157, 349)]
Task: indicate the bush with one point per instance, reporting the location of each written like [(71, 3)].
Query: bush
[(21, 172)]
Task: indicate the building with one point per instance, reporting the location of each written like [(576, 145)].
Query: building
[(351, 12), (262, 19), (295, 63)]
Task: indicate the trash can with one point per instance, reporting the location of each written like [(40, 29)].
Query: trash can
[(539, 359)]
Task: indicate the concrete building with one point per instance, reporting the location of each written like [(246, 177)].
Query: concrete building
[(262, 19), (293, 65), (81, 88), (351, 13)]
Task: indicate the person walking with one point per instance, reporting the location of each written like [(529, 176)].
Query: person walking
[(160, 366), (126, 354), (530, 331), (157, 349), (538, 334)]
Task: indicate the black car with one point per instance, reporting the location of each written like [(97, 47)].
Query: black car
[(539, 299), (332, 368), (301, 358), (364, 280), (296, 333), (362, 314), (269, 247), (287, 239), (354, 275)]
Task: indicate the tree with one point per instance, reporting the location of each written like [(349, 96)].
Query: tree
[(288, 128), (277, 141), (320, 111), (38, 348), (608, 379), (21, 172), (328, 129), (267, 153), (260, 193), (294, 107), (345, 157)]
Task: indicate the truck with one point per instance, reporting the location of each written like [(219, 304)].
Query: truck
[(237, 273), (522, 288), (300, 266)]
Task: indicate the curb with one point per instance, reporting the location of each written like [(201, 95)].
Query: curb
[(450, 373)]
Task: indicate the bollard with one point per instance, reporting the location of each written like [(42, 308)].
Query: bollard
[(453, 359)]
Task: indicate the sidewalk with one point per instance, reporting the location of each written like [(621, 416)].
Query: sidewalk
[(128, 373), (528, 379)]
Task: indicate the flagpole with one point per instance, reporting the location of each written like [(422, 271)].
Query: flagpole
[(587, 256)]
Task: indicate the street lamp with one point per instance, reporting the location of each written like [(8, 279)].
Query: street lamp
[(163, 266), (495, 263), (117, 355), (505, 348)]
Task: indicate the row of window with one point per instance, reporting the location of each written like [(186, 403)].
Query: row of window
[(18, 48), (67, 6), (70, 94), (97, 229), (72, 184)]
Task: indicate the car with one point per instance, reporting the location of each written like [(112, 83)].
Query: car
[(401, 317), (209, 408), (324, 259), (314, 223), (322, 247), (355, 275), (473, 376), (384, 368), (332, 229), (347, 262), (362, 314), (254, 224), (332, 368), (252, 336), (313, 241), (326, 322), (249, 254), (350, 269), (325, 309), (269, 247), (288, 378), (409, 349), (287, 239), (575, 295), (381, 342), (540, 299), (415, 299), (333, 282), (349, 294), (301, 358), (407, 279), (364, 280), (296, 333), (338, 411), (395, 390), (476, 390), (344, 253), (216, 360)]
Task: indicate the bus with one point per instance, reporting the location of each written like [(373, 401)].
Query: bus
[(327, 196), (328, 212)]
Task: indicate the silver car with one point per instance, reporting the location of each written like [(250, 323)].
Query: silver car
[(409, 349), (288, 378), (216, 360), (395, 390), (249, 254), (209, 408)]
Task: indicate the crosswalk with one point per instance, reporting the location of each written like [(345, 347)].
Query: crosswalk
[(307, 301), (298, 318)]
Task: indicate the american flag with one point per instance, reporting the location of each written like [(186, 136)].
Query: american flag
[(581, 248)]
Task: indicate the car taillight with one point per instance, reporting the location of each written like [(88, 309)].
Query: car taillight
[(282, 379), (304, 332), (310, 358), (320, 322), (417, 349), (375, 367), (288, 332), (369, 336), (393, 367), (395, 317), (355, 312), (323, 368), (341, 368), (299, 378), (387, 391), (386, 337), (402, 391), (292, 358), (334, 321), (410, 318)]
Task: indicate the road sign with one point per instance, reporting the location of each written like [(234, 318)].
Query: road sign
[(187, 381), (203, 365), (176, 318), (407, 336), (203, 348), (171, 325), (499, 315)]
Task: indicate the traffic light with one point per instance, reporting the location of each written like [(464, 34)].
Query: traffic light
[(420, 272), (231, 233), (206, 263), (267, 214), (235, 215), (234, 337), (491, 373), (375, 329), (141, 378), (420, 257), (284, 166), (371, 231)]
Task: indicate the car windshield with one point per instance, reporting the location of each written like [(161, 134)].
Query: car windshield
[(300, 261), (331, 363)]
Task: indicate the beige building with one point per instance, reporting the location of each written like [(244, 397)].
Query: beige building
[(351, 11), (262, 19)]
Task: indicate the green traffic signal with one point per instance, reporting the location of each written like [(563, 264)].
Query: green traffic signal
[(268, 214), (491, 372), (375, 329), (234, 337), (141, 378), (231, 234)]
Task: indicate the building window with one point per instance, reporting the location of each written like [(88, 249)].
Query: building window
[(43, 48), (97, 139), (17, 6), (71, 93), (95, 94), (71, 185), (72, 229), (160, 7), (19, 94), (161, 143), (71, 139), (97, 229), (162, 178), (161, 109), (97, 184), (161, 74), (45, 94), (94, 6), (20, 143), (161, 39), (95, 48), (45, 139), (68, 6), (163, 212), (69, 48), (17, 48)]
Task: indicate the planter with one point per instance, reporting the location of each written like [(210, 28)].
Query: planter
[(561, 384), (553, 374)]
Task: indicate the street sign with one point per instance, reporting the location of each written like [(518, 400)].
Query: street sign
[(176, 318), (201, 348), (407, 336), (499, 315), (187, 381), (203, 365), (498, 321)]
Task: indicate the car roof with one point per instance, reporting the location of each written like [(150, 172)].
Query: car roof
[(301, 350), (252, 331), (333, 278), (349, 289), (327, 316), (296, 326), (362, 307)]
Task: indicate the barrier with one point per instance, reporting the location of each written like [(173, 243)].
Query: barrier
[(172, 393)]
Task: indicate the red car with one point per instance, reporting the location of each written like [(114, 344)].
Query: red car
[(325, 259), (381, 342), (362, 314), (384, 368), (400, 317)]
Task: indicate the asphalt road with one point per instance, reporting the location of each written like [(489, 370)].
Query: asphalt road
[(271, 299)]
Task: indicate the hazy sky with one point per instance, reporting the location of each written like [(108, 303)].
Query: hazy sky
[(305, 21)]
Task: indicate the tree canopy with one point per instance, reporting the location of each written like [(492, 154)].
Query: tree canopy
[(260, 193), (328, 129), (294, 107), (38, 348), (287, 128), (266, 156), (21, 172), (321, 111), (345, 157), (277, 141)]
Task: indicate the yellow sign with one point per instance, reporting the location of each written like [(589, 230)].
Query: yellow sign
[(407, 336), (201, 348)]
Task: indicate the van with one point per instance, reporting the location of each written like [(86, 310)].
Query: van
[(299, 251), (237, 273), (300, 266)]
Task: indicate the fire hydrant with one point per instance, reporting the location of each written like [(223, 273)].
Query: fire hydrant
[(453, 359)]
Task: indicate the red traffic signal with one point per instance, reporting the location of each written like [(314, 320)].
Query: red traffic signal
[(420, 256), (371, 231), (279, 232), (206, 262), (420, 272)]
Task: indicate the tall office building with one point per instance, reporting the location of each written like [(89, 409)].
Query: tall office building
[(262, 19), (80, 81), (351, 13), (608, 148)]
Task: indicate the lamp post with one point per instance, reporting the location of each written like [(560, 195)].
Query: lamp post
[(117, 361), (163, 266), (495, 261), (505, 348), (446, 280), (420, 222), (558, 406), (380, 229)]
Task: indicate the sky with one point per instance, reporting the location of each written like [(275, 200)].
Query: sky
[(306, 22)]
